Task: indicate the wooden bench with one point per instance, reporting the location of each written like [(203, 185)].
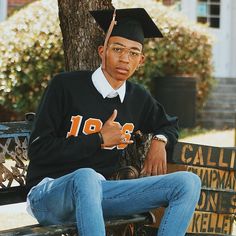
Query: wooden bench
[(214, 214)]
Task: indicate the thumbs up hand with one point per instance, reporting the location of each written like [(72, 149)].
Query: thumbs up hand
[(112, 132), (113, 116)]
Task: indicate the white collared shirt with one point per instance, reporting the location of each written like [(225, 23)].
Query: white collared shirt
[(104, 88)]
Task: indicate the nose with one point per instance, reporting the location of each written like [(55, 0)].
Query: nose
[(124, 57)]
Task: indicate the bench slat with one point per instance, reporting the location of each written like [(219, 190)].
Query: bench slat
[(13, 128), (70, 229), (12, 195), (151, 231), (204, 156)]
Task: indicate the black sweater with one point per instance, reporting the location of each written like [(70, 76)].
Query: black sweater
[(64, 136)]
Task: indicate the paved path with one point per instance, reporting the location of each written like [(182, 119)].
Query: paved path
[(12, 216), (214, 138)]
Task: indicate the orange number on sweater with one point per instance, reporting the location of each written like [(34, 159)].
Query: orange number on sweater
[(74, 129), (127, 129), (92, 125)]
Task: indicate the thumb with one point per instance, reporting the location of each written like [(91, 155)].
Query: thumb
[(113, 116)]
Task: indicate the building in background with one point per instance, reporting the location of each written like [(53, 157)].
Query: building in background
[(3, 10), (220, 15), (7, 7), (220, 18)]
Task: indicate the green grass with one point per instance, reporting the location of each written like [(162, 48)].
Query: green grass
[(192, 131)]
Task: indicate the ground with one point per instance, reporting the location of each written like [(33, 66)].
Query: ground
[(15, 215), (218, 138)]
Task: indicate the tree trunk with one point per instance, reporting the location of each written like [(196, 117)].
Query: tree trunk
[(81, 35)]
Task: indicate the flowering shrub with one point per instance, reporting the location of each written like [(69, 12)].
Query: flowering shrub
[(30, 53), (185, 50)]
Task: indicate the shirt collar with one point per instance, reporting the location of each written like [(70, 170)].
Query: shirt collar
[(104, 88)]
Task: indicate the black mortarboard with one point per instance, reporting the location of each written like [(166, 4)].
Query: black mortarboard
[(132, 23)]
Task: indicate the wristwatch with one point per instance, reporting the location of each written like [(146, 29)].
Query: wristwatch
[(160, 137)]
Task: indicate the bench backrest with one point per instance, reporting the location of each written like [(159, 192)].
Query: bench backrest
[(14, 137)]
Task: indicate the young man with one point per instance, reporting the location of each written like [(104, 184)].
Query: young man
[(83, 123)]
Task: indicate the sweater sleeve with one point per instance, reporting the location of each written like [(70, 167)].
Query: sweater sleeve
[(156, 121), (46, 146)]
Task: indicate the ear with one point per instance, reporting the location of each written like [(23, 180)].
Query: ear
[(100, 51), (141, 61)]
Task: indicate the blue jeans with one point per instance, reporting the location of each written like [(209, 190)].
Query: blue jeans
[(84, 198)]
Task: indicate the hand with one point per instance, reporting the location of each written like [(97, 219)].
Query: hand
[(112, 132), (155, 162)]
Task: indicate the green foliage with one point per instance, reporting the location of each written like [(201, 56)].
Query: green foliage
[(188, 132), (30, 54), (185, 50)]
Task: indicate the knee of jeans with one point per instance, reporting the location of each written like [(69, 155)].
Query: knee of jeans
[(86, 177), (85, 174), (189, 182)]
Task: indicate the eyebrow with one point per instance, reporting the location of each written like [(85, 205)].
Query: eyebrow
[(135, 48)]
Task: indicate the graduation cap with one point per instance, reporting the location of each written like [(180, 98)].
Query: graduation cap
[(131, 23)]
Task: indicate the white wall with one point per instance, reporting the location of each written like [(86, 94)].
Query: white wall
[(233, 41), (189, 8), (3, 9), (224, 48)]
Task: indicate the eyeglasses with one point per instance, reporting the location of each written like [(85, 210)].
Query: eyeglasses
[(120, 50)]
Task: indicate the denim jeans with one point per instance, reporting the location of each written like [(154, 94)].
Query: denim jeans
[(85, 198)]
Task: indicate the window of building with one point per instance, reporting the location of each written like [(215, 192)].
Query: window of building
[(208, 12), (174, 3)]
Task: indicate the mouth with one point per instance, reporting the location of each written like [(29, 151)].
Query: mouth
[(122, 70)]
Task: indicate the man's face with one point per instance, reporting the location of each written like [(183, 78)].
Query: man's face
[(123, 56)]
